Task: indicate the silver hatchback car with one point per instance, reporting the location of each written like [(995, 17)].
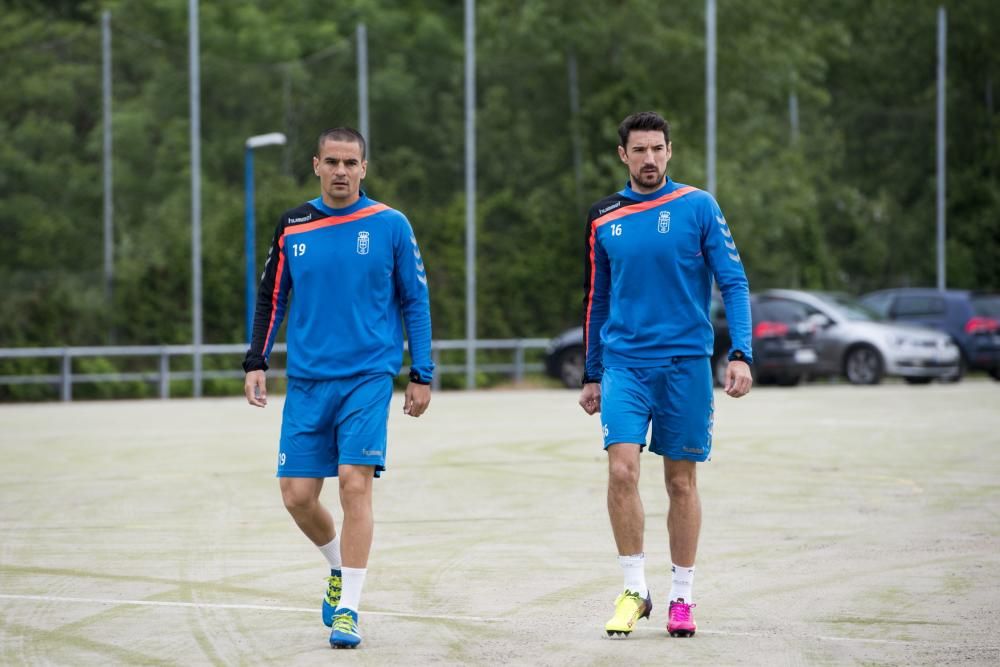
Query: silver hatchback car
[(850, 341)]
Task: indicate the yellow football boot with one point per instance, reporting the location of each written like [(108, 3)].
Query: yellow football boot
[(629, 608)]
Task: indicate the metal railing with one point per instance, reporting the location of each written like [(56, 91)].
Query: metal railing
[(162, 375)]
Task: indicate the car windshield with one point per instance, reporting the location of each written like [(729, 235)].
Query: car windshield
[(987, 305), (849, 307), (787, 312)]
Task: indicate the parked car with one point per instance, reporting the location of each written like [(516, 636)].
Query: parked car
[(971, 319), (564, 357), (783, 340), (782, 346), (851, 341)]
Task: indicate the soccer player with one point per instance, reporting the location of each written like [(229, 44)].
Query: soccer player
[(355, 269), (652, 251)]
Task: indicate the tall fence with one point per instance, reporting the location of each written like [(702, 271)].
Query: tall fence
[(161, 374)]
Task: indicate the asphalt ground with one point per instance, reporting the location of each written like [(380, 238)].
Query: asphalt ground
[(842, 525)]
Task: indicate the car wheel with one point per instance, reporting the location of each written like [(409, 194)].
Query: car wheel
[(571, 367), (918, 380), (863, 365), (995, 373)]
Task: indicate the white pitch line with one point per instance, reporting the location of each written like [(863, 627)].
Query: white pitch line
[(727, 633), (478, 619), (210, 605), (860, 640), (917, 642)]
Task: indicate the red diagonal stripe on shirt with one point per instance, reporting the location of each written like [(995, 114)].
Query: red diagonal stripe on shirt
[(622, 211), (336, 219)]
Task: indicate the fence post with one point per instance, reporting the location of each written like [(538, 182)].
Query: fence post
[(519, 362), (436, 380), (164, 373), (66, 391)]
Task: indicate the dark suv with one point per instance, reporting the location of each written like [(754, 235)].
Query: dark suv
[(782, 346), (971, 319)]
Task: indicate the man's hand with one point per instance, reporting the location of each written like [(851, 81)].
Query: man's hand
[(255, 388), (738, 378), (416, 399), (590, 398)]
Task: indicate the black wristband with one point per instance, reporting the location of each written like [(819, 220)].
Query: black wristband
[(739, 355), (415, 378), (254, 362)]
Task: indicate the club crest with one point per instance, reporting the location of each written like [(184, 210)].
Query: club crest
[(663, 222), (363, 243)]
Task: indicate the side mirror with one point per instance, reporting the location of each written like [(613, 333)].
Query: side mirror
[(819, 320)]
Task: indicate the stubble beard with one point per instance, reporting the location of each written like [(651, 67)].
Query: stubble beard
[(339, 190), (649, 179)]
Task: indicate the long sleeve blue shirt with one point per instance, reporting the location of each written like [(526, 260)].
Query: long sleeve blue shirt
[(355, 275), (650, 261)]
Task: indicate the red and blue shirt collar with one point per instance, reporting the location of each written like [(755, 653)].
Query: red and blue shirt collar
[(363, 202), (669, 186)]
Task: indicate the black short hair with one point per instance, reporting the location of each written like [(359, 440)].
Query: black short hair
[(643, 120), (342, 134)]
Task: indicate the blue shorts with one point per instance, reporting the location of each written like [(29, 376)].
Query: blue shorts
[(676, 398), (329, 422)]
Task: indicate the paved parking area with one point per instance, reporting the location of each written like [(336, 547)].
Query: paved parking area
[(843, 525)]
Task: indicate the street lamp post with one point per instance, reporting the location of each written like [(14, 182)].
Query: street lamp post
[(272, 139)]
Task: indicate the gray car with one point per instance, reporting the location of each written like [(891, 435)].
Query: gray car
[(851, 341)]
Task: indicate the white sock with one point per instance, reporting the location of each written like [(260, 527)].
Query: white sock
[(353, 579), (634, 569), (332, 552), (681, 583)]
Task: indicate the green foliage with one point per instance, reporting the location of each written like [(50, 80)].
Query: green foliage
[(847, 203)]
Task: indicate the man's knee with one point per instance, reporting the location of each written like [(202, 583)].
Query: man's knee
[(623, 469), (298, 495), (682, 483), (355, 483)]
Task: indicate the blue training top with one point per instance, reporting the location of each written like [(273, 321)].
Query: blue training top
[(650, 260), (353, 271)]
